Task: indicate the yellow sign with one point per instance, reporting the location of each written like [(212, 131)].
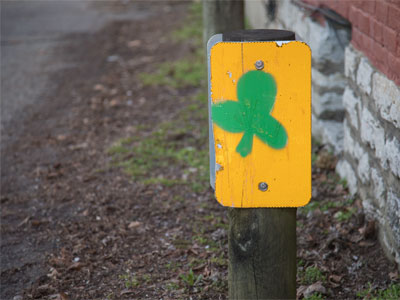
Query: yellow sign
[(261, 116)]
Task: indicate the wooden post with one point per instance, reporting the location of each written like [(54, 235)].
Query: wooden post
[(262, 241), (222, 15), (262, 253)]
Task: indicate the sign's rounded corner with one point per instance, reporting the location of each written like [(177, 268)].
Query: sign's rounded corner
[(214, 40), (302, 204)]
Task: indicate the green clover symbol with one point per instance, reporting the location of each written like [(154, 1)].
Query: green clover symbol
[(256, 91)]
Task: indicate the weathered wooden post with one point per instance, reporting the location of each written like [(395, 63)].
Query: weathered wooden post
[(220, 15), (260, 153)]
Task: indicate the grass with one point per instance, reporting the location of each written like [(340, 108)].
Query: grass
[(391, 292), (130, 281), (147, 159), (316, 296), (346, 214), (193, 29), (190, 71), (310, 275), (177, 74), (162, 153), (220, 261), (190, 279)]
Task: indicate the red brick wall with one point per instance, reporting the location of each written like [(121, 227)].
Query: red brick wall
[(375, 30)]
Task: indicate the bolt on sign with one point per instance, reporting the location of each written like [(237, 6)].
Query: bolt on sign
[(260, 122)]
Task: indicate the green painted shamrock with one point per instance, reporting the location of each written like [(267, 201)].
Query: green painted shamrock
[(256, 91)]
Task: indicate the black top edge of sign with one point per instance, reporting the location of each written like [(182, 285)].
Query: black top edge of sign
[(258, 35)]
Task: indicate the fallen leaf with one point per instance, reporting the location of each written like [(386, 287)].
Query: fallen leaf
[(394, 275), (99, 87), (334, 280), (36, 222), (126, 291), (75, 266), (114, 102), (300, 291), (24, 221), (367, 243), (61, 296), (134, 224), (314, 288), (61, 137), (134, 43), (368, 230), (199, 267)]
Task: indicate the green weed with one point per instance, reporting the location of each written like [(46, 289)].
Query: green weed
[(202, 240), (163, 181), (189, 71), (316, 296), (392, 292), (129, 280), (196, 262), (191, 279), (311, 275), (220, 261), (161, 151), (177, 146), (181, 244), (177, 74), (345, 215), (171, 286), (193, 29)]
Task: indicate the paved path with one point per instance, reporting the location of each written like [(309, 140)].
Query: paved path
[(30, 31)]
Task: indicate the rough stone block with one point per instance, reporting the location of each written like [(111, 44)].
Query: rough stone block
[(387, 98), (328, 106), (328, 54), (351, 61), (345, 170), (373, 134), (352, 105), (363, 168), (378, 185), (393, 216), (392, 154), (364, 75), (329, 132), (335, 82)]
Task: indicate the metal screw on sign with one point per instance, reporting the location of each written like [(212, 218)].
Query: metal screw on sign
[(259, 65), (263, 186)]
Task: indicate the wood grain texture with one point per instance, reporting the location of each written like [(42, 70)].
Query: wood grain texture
[(220, 16), (262, 253)]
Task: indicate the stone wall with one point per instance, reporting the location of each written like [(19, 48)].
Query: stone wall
[(371, 158), (356, 96)]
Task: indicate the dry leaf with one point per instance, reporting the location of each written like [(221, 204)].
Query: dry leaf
[(315, 288), (61, 137), (126, 291), (134, 43), (394, 275), (75, 266), (114, 102), (24, 221), (134, 224), (334, 280), (300, 291)]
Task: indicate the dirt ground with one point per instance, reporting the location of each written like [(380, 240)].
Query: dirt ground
[(105, 194)]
